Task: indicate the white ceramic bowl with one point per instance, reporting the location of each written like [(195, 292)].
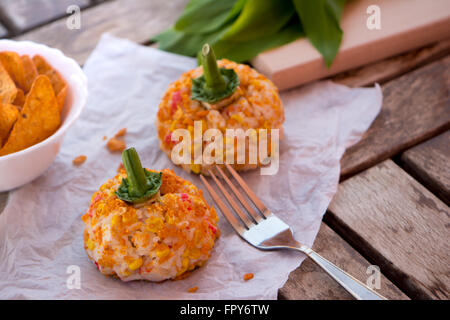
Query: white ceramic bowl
[(19, 168)]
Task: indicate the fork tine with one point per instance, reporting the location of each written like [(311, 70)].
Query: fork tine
[(242, 215), (225, 210), (257, 218), (258, 203)]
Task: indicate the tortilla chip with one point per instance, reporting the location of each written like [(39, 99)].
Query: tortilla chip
[(38, 120), (8, 117), (58, 82), (8, 89), (61, 98), (19, 101), (30, 71), (14, 66), (43, 67)]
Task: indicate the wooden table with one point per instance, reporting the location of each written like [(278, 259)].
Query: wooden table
[(391, 208)]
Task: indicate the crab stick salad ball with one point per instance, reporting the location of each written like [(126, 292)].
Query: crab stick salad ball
[(222, 95), (148, 225)]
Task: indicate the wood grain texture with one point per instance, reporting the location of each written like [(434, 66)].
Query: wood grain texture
[(388, 69), (3, 199), (404, 228), (416, 106), (25, 14), (429, 163), (310, 282), (3, 32), (136, 20)]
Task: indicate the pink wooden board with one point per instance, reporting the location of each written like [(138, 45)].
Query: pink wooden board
[(405, 25)]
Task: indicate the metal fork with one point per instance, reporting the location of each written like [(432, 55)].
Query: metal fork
[(265, 231)]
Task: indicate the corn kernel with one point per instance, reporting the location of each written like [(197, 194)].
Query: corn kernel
[(172, 126), (196, 168), (129, 217), (191, 130), (185, 263), (91, 244), (178, 114), (136, 264), (162, 251), (154, 224), (198, 235), (100, 208), (194, 253), (115, 220), (170, 219), (237, 117)]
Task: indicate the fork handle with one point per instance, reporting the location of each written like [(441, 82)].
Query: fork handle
[(356, 288)]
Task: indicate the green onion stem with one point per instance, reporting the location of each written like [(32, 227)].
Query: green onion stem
[(137, 182), (213, 78)]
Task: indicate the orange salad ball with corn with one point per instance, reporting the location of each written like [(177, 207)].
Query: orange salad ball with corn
[(148, 225), (222, 95)]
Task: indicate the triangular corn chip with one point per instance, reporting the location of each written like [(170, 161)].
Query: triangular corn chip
[(61, 98), (8, 89), (19, 101), (30, 71), (58, 82), (8, 116), (38, 119), (14, 65)]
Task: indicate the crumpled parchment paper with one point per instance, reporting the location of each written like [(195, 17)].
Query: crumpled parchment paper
[(41, 232)]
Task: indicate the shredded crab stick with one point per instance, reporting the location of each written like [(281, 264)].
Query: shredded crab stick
[(150, 225), (222, 95)]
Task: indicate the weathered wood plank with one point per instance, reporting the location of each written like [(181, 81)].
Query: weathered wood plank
[(388, 69), (3, 31), (24, 14), (3, 199), (416, 107), (391, 218), (429, 163), (136, 20), (309, 281)]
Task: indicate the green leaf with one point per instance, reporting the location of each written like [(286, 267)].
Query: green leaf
[(244, 51), (192, 3), (155, 181), (200, 91), (186, 44), (215, 84), (320, 20), (207, 15), (337, 6), (260, 18)]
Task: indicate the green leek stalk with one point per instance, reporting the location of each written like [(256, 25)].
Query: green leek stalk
[(216, 83), (140, 184)]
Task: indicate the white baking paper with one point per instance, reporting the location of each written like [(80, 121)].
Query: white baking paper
[(41, 232)]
